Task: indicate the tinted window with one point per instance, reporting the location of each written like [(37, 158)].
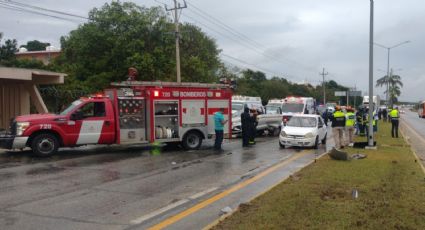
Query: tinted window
[(93, 109)]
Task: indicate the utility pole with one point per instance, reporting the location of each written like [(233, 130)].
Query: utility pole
[(324, 85), (355, 97), (388, 89), (176, 9)]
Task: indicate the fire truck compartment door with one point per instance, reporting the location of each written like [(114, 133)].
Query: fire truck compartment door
[(213, 107), (193, 112)]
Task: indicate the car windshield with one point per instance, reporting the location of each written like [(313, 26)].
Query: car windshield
[(71, 107), (302, 122), (272, 109), (292, 108), (237, 109)]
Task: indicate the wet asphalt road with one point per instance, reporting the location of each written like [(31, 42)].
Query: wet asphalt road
[(109, 187), (414, 129)]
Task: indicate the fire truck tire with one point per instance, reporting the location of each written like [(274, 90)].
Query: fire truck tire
[(192, 140), (44, 144)]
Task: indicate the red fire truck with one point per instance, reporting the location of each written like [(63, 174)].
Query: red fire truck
[(131, 112)]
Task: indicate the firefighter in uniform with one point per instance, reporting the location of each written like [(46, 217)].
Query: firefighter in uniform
[(245, 123), (338, 126), (349, 125), (394, 114)]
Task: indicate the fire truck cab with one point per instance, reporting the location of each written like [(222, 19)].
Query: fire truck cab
[(132, 112)]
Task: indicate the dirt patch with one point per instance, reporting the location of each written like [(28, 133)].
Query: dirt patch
[(332, 193), (245, 207)]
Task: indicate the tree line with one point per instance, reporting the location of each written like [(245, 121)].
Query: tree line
[(120, 35)]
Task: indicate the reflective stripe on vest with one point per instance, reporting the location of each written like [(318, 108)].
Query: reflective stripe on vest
[(351, 119)]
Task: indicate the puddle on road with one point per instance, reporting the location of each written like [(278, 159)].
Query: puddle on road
[(7, 175), (45, 170), (109, 175)]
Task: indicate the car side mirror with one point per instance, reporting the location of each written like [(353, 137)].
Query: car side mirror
[(77, 115)]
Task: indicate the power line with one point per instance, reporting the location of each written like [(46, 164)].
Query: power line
[(251, 65), (223, 25), (19, 9), (10, 2), (251, 42)]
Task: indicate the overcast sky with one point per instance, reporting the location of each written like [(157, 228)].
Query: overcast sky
[(291, 38)]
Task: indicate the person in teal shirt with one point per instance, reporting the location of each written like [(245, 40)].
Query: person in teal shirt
[(219, 123)]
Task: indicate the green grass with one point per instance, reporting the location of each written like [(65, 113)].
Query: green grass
[(390, 183)]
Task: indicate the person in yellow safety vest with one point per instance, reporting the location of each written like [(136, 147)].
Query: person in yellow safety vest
[(374, 124), (338, 126), (394, 114), (350, 121)]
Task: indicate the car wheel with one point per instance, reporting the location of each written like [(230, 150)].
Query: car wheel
[(324, 139), (281, 145), (316, 143), (44, 144), (192, 140)]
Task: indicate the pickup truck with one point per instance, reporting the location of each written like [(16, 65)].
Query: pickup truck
[(270, 121)]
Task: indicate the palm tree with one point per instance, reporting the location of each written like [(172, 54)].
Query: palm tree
[(394, 92), (394, 86)]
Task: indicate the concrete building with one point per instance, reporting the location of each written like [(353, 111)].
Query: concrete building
[(45, 56), (18, 89)]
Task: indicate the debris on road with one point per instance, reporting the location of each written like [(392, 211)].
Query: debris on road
[(225, 210), (358, 156)]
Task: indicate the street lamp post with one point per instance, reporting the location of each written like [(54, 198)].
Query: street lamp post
[(388, 64), (370, 133)]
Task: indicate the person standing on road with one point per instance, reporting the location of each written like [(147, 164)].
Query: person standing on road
[(325, 116), (394, 114), (219, 123), (252, 127), (338, 125), (359, 122), (385, 114), (245, 120), (350, 121)]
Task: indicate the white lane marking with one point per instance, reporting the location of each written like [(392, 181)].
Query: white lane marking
[(90, 132), (158, 212), (199, 194)]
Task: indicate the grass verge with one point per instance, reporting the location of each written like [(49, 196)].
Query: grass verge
[(390, 185)]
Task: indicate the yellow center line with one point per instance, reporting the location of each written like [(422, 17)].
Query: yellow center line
[(225, 193)]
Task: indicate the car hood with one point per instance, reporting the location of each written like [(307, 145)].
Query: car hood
[(298, 130), (38, 117)]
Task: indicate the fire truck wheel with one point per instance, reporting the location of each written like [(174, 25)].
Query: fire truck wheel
[(44, 144), (192, 140)]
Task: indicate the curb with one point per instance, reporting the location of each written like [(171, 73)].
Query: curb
[(221, 218), (405, 126)]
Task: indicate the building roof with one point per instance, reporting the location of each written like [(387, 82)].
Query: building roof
[(34, 75), (38, 52)]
